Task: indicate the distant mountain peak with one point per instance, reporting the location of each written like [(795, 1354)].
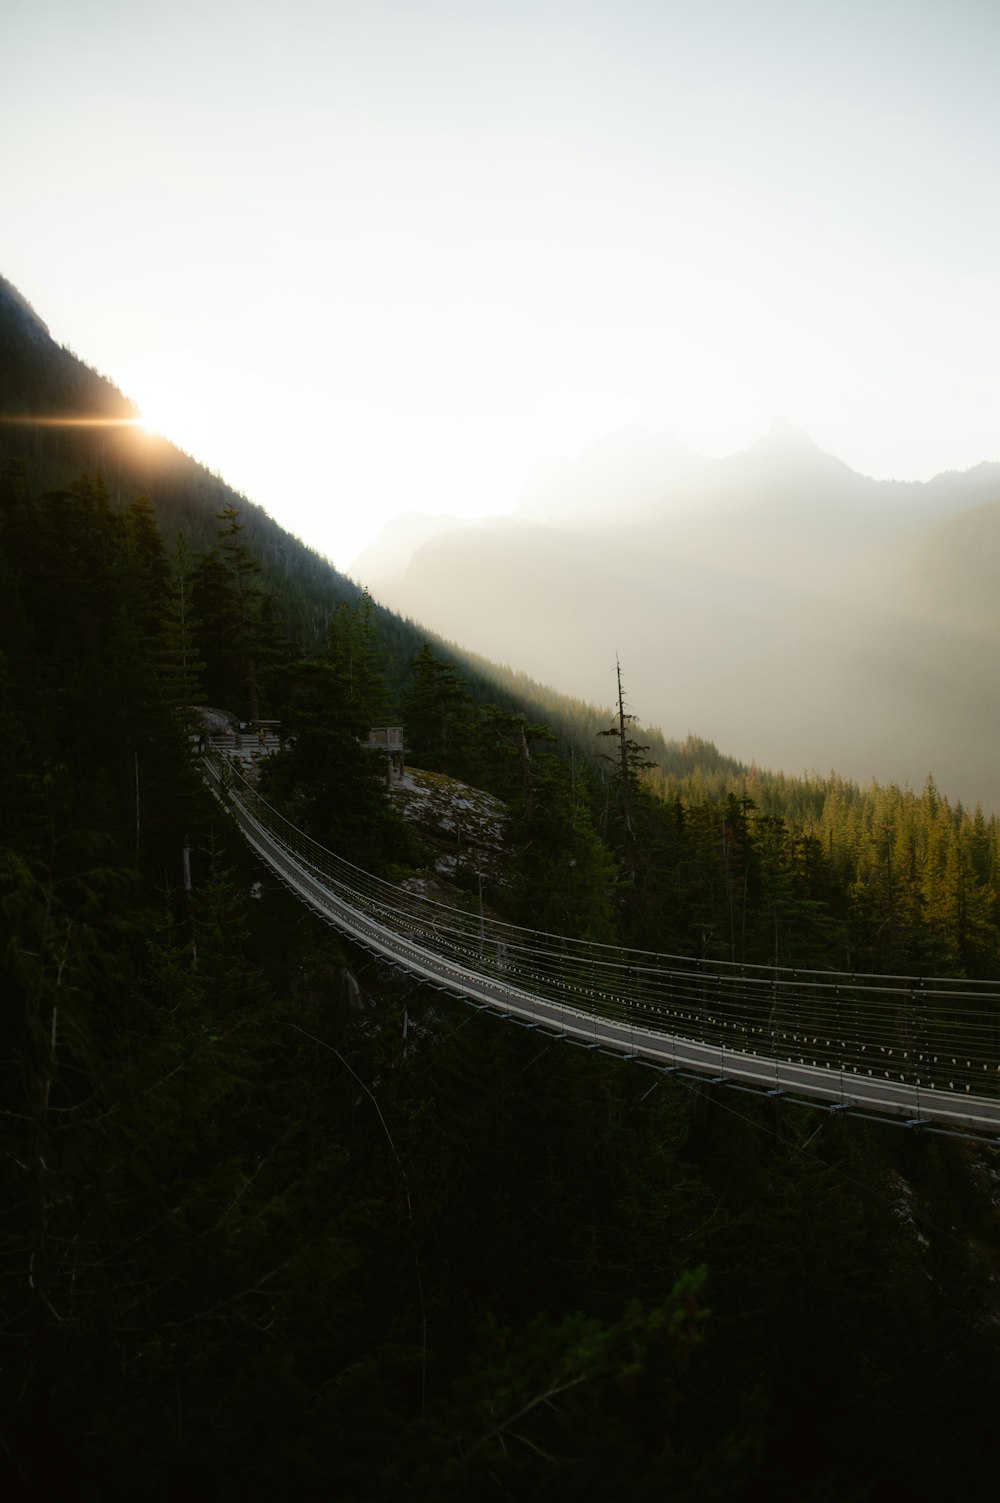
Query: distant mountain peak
[(783, 434)]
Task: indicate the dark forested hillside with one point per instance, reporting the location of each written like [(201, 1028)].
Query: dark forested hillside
[(279, 1223), (60, 419)]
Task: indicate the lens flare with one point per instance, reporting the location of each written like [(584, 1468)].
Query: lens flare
[(37, 420)]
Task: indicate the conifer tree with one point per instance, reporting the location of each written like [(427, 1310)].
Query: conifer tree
[(355, 648), (327, 779), (628, 760), (436, 713), (180, 663), (237, 628)]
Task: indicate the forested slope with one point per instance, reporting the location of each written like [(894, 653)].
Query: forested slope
[(278, 1224), (40, 380)]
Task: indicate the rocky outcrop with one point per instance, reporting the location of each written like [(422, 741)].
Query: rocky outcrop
[(465, 827)]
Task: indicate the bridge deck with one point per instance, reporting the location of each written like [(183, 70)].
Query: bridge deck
[(909, 1048)]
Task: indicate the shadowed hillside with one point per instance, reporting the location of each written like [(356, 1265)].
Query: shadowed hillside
[(61, 419), (282, 1223)]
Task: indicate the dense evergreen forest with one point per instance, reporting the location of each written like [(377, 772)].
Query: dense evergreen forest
[(280, 1224)]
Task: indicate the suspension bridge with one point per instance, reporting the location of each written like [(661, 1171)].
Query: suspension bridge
[(923, 1051)]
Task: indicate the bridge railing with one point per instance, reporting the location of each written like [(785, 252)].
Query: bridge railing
[(932, 1033)]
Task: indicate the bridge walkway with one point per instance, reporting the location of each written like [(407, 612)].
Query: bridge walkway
[(919, 1050)]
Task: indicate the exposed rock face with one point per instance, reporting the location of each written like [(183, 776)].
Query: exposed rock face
[(216, 722), (465, 827)]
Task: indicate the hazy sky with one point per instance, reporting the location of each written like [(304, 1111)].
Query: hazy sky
[(387, 255)]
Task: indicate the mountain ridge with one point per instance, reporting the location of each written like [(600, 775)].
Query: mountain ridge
[(792, 610)]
